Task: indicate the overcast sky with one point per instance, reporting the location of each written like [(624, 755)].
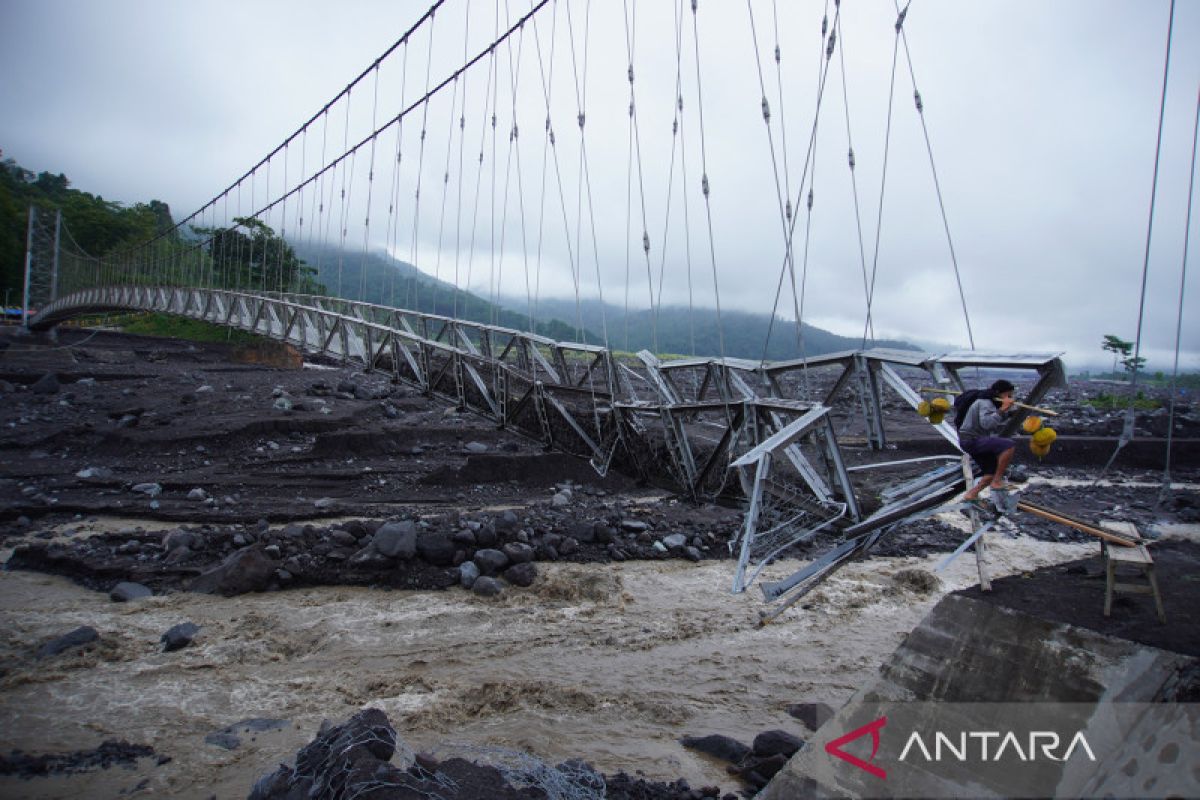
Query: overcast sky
[(1042, 118)]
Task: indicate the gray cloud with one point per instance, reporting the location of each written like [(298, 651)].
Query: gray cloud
[(1042, 116)]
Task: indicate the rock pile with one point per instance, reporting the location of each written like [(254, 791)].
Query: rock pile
[(354, 760), (483, 552)]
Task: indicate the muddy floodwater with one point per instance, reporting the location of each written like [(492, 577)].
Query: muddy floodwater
[(610, 663)]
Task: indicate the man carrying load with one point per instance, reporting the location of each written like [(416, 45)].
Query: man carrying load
[(980, 416)]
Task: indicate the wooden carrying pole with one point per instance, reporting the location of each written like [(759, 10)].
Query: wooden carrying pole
[(1062, 519), (931, 390)]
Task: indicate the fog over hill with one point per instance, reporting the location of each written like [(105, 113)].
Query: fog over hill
[(376, 278)]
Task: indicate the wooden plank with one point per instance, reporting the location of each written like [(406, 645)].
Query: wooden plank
[(1130, 555), (1062, 519)]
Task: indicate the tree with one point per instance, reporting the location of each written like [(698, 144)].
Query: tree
[(251, 255), (1118, 347), (1132, 364)]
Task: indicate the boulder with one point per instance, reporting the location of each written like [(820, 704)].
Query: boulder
[(125, 591), (490, 561), (47, 384), (582, 531), (180, 538), (436, 549), (813, 715), (151, 489), (518, 552), (486, 587), (76, 638), (463, 536), (467, 574), (507, 522), (249, 569), (720, 747), (675, 541), (179, 636), (486, 535), (396, 539), (776, 742), (523, 574)]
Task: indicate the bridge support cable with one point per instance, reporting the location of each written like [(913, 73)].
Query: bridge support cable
[(920, 105), (414, 281), (366, 241), (547, 83), (629, 18), (514, 155), (394, 200), (1127, 431), (869, 325), (585, 194), (1187, 228), (862, 253), (705, 186), (687, 225), (828, 44), (462, 146), (344, 194)]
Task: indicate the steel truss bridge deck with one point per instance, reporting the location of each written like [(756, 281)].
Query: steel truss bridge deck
[(690, 422)]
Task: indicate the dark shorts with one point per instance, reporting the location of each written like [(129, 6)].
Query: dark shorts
[(985, 450)]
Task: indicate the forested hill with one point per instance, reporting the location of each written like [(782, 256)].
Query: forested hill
[(97, 225), (373, 277), (695, 332), (100, 226)]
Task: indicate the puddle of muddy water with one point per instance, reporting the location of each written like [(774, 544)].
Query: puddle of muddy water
[(610, 663)]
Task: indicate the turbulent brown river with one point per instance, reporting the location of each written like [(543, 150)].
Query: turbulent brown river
[(609, 663)]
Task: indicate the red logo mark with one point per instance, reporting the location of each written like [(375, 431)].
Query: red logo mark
[(834, 748)]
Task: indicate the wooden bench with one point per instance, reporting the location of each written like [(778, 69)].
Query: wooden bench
[(1138, 556)]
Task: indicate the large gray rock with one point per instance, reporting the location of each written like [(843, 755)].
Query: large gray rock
[(776, 742), (582, 531), (76, 638), (396, 539), (436, 549), (486, 535), (523, 574), (125, 591), (47, 384), (179, 636), (518, 552), (180, 538), (718, 746), (467, 574), (490, 561), (486, 587), (675, 541), (247, 570), (507, 522)]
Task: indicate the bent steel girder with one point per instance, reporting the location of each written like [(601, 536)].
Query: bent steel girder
[(692, 415)]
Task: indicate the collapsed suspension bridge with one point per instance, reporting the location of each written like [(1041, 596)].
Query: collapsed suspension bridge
[(492, 169)]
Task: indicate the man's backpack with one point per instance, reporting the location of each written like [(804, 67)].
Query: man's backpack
[(963, 403)]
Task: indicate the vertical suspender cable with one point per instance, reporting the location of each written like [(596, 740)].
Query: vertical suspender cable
[(1187, 227), (1127, 431), (868, 327), (936, 183)]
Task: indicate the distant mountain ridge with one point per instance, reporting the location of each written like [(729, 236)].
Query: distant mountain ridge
[(374, 277), (683, 331)]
